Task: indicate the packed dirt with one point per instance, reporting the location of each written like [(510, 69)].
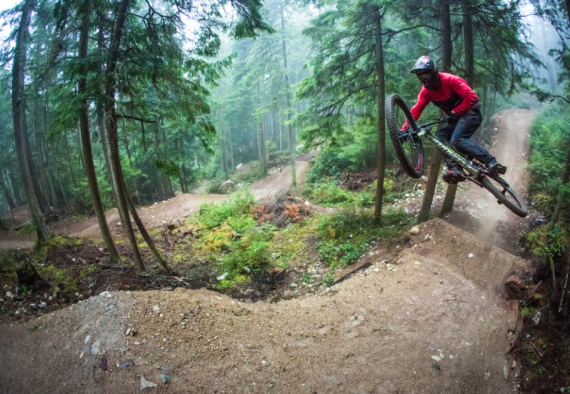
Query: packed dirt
[(476, 210), (431, 319)]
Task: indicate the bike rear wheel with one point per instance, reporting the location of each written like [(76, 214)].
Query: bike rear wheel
[(505, 194), (407, 143)]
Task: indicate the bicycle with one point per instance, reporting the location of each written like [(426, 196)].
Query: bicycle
[(410, 152)]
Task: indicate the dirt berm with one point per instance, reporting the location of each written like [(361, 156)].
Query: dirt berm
[(433, 321)]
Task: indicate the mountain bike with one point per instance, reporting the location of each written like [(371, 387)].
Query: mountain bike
[(410, 152)]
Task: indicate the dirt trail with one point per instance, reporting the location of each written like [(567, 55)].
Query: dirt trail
[(434, 322), (476, 210), (155, 215)]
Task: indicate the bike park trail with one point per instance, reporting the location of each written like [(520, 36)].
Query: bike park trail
[(429, 317), (174, 210)]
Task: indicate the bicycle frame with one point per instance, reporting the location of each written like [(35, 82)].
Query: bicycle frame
[(474, 172)]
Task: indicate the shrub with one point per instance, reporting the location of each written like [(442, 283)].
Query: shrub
[(240, 203), (343, 236)]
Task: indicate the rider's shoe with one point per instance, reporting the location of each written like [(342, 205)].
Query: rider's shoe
[(454, 174), (496, 168)]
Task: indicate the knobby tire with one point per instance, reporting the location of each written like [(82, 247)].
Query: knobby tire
[(519, 209), (392, 102)]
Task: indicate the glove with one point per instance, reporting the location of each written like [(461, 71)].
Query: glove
[(453, 118)]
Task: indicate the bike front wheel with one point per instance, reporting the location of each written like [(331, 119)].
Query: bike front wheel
[(407, 143), (505, 194)]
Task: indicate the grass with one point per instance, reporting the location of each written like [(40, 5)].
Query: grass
[(344, 235)]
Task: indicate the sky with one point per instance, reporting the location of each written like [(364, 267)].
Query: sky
[(4, 5)]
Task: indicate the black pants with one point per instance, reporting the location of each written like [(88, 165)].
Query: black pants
[(456, 136)]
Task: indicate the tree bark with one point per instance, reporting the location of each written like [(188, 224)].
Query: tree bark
[(86, 142), (6, 192), (40, 158), (260, 138), (105, 143), (446, 50), (113, 132), (288, 100), (381, 117), (485, 106), (146, 236), (469, 70), (430, 186), (17, 196), (18, 116)]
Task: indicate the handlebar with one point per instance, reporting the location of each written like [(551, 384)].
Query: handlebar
[(441, 120)]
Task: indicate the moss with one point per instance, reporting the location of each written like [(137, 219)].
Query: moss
[(63, 283), (230, 283)]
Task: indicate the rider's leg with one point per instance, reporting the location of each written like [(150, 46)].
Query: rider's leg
[(466, 127), (444, 135), (454, 173)]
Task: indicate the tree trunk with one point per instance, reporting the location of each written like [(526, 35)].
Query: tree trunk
[(29, 157), (146, 236), (469, 70), (260, 137), (18, 116), (430, 186), (86, 143), (231, 147), (381, 117), (288, 97), (101, 121), (17, 196), (105, 143), (446, 50), (6, 192), (484, 108), (113, 132), (40, 159), (280, 135)]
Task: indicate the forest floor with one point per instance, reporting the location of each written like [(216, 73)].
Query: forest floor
[(427, 314)]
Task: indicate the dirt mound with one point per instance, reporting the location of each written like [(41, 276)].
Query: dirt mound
[(431, 320)]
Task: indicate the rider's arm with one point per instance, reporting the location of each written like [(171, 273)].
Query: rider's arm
[(461, 87), (423, 101)]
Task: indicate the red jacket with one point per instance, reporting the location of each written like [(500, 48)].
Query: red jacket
[(453, 94)]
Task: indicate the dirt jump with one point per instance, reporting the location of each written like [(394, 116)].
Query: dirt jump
[(433, 319)]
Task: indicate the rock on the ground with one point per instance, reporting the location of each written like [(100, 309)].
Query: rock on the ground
[(227, 186), (126, 364), (146, 384), (96, 347), (165, 378), (414, 230)]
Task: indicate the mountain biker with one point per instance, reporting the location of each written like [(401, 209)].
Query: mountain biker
[(456, 98)]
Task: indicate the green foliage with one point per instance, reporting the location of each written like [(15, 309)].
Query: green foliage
[(240, 203), (230, 237), (343, 236), (329, 163), (329, 193), (27, 229), (549, 144), (63, 284), (547, 242)]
